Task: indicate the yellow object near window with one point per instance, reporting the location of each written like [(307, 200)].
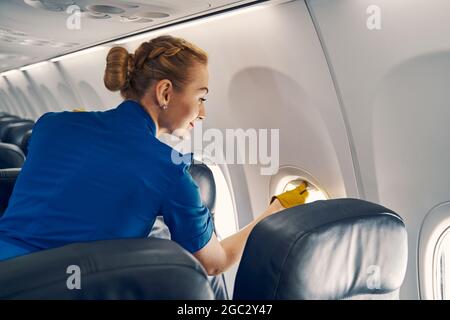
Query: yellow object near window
[(314, 193), (290, 177)]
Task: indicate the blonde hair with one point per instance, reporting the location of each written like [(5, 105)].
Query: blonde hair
[(164, 57)]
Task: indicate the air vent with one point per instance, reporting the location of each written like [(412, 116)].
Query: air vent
[(129, 5), (129, 19), (105, 9), (96, 15)]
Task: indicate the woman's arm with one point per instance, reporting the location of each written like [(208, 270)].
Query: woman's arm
[(216, 257)]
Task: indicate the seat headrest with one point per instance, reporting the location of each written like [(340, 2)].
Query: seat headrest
[(8, 116), (204, 178), (7, 180), (10, 156), (112, 269), (13, 133), (331, 249), (25, 139), (4, 122)]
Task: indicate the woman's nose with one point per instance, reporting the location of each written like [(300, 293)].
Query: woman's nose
[(202, 113)]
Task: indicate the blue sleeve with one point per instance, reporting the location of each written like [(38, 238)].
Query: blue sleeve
[(189, 220)]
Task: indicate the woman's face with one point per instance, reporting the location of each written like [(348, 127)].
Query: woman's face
[(187, 105)]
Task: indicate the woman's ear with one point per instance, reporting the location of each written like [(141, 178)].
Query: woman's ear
[(163, 92)]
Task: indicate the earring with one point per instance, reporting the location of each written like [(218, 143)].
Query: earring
[(164, 106)]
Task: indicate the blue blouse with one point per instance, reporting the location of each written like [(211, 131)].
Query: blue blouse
[(101, 175)]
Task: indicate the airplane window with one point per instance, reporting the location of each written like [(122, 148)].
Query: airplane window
[(442, 267), (289, 177), (314, 192), (434, 254), (225, 216)]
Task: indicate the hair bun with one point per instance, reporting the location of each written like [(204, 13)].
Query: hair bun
[(119, 64)]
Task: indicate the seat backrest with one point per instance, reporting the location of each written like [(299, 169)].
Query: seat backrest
[(13, 133), (11, 156), (7, 180), (7, 116), (4, 121), (110, 269), (331, 249)]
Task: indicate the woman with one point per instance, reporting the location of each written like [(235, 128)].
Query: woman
[(105, 175)]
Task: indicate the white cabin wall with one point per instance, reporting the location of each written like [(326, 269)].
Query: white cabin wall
[(86, 76), (44, 89), (15, 98), (394, 88)]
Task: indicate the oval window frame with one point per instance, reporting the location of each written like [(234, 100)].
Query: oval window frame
[(434, 226), (287, 174)]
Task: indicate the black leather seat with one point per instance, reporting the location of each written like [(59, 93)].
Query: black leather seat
[(14, 132), (11, 156), (333, 249), (7, 115), (113, 269), (25, 139), (5, 125), (7, 120)]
